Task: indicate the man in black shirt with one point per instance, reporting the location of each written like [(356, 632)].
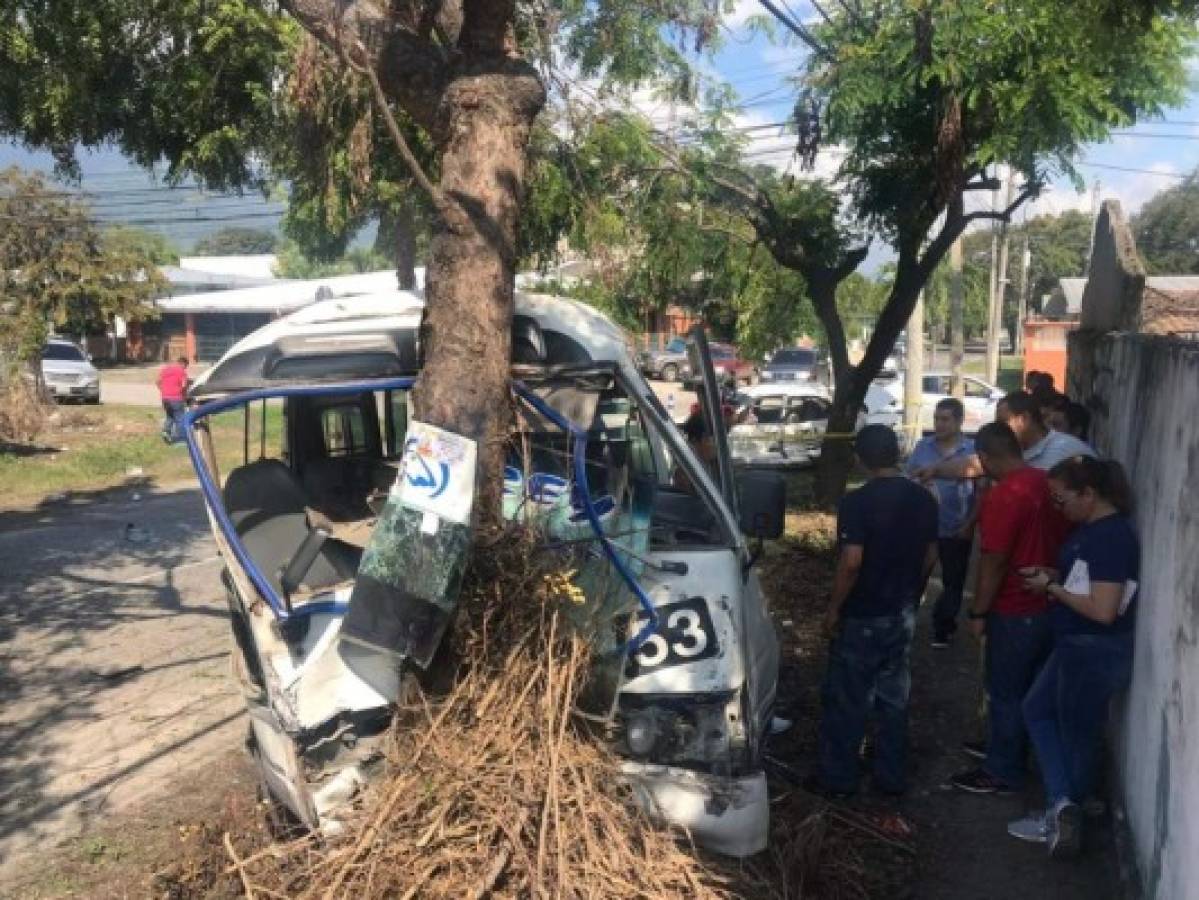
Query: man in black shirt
[(887, 532)]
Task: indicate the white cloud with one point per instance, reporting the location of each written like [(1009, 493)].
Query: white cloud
[(742, 11)]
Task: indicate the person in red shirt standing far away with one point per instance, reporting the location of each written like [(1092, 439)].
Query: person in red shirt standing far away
[(1019, 528), (172, 388)]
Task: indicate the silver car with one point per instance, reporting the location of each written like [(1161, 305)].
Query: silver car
[(68, 372)]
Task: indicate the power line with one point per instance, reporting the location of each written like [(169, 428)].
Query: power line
[(1160, 174), (159, 220), (1171, 136)]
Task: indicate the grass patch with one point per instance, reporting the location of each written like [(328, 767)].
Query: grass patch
[(89, 449), (1011, 371)]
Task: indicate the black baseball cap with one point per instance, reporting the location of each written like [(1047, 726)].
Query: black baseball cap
[(877, 446)]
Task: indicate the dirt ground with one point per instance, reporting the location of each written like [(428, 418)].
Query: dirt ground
[(120, 733), (113, 666), (962, 849)]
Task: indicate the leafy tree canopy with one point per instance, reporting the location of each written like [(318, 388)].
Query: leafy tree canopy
[(293, 263), (58, 269), (154, 246), (1167, 230), (236, 241)]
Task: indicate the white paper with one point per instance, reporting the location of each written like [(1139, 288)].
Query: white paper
[(1079, 579), (1079, 582), (429, 523), (437, 475)]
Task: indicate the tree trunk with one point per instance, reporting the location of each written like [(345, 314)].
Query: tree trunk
[(836, 452), (397, 241), (472, 266), (957, 336)]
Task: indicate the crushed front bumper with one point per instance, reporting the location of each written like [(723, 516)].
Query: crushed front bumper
[(727, 814)]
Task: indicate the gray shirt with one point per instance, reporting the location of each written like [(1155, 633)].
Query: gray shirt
[(1055, 447)]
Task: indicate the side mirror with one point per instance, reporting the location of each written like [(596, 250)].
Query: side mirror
[(763, 504)]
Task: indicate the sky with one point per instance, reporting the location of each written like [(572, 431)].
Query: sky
[(1160, 152)]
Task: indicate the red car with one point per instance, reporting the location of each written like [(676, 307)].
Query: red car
[(726, 361)]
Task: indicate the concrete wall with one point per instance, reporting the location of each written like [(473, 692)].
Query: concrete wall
[(1144, 394), (1111, 300)]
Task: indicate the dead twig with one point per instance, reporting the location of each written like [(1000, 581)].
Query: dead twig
[(237, 864)]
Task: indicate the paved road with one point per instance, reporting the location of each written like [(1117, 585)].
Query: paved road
[(113, 661)]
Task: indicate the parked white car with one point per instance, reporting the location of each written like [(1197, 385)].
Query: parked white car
[(783, 425), (68, 372), (883, 407), (980, 400)]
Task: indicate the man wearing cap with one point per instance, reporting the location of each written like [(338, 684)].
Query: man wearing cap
[(887, 533)]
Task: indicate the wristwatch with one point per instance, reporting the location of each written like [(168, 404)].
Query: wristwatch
[(975, 615)]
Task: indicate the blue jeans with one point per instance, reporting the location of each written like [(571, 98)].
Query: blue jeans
[(1067, 707), (869, 661), (955, 561), (1016, 649), (173, 410)]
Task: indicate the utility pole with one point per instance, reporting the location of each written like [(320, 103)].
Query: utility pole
[(957, 335), (913, 377), (998, 285), (1022, 309), (1095, 193)]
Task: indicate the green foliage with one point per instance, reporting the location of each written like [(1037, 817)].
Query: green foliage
[(918, 92), (771, 308), (190, 82), (155, 247), (343, 168), (860, 299), (57, 269), (1167, 230), (236, 241), (1058, 246), (293, 263)]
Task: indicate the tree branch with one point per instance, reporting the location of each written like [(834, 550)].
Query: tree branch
[(983, 184), (411, 66), (729, 233), (451, 213), (329, 25), (1005, 215)]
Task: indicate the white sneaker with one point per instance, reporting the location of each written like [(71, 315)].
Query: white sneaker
[(1034, 828)]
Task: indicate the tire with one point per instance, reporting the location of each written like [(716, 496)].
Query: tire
[(670, 372), (92, 401)]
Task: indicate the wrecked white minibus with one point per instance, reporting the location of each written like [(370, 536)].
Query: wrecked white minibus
[(683, 645)]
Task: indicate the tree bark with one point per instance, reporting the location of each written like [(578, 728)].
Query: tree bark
[(912, 272), (957, 337), (397, 241), (471, 272), (455, 69)]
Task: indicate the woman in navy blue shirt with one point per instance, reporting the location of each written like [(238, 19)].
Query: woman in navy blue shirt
[(1093, 597)]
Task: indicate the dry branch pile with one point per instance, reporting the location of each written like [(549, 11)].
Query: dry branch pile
[(497, 789), (22, 412)]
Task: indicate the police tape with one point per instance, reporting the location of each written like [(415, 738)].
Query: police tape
[(848, 435)]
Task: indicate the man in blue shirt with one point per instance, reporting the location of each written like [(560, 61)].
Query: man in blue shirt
[(955, 522), (887, 531)]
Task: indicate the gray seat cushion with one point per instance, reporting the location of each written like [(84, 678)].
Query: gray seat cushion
[(266, 505)]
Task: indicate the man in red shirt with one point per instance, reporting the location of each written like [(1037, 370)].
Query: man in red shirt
[(172, 388), (1019, 527)]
